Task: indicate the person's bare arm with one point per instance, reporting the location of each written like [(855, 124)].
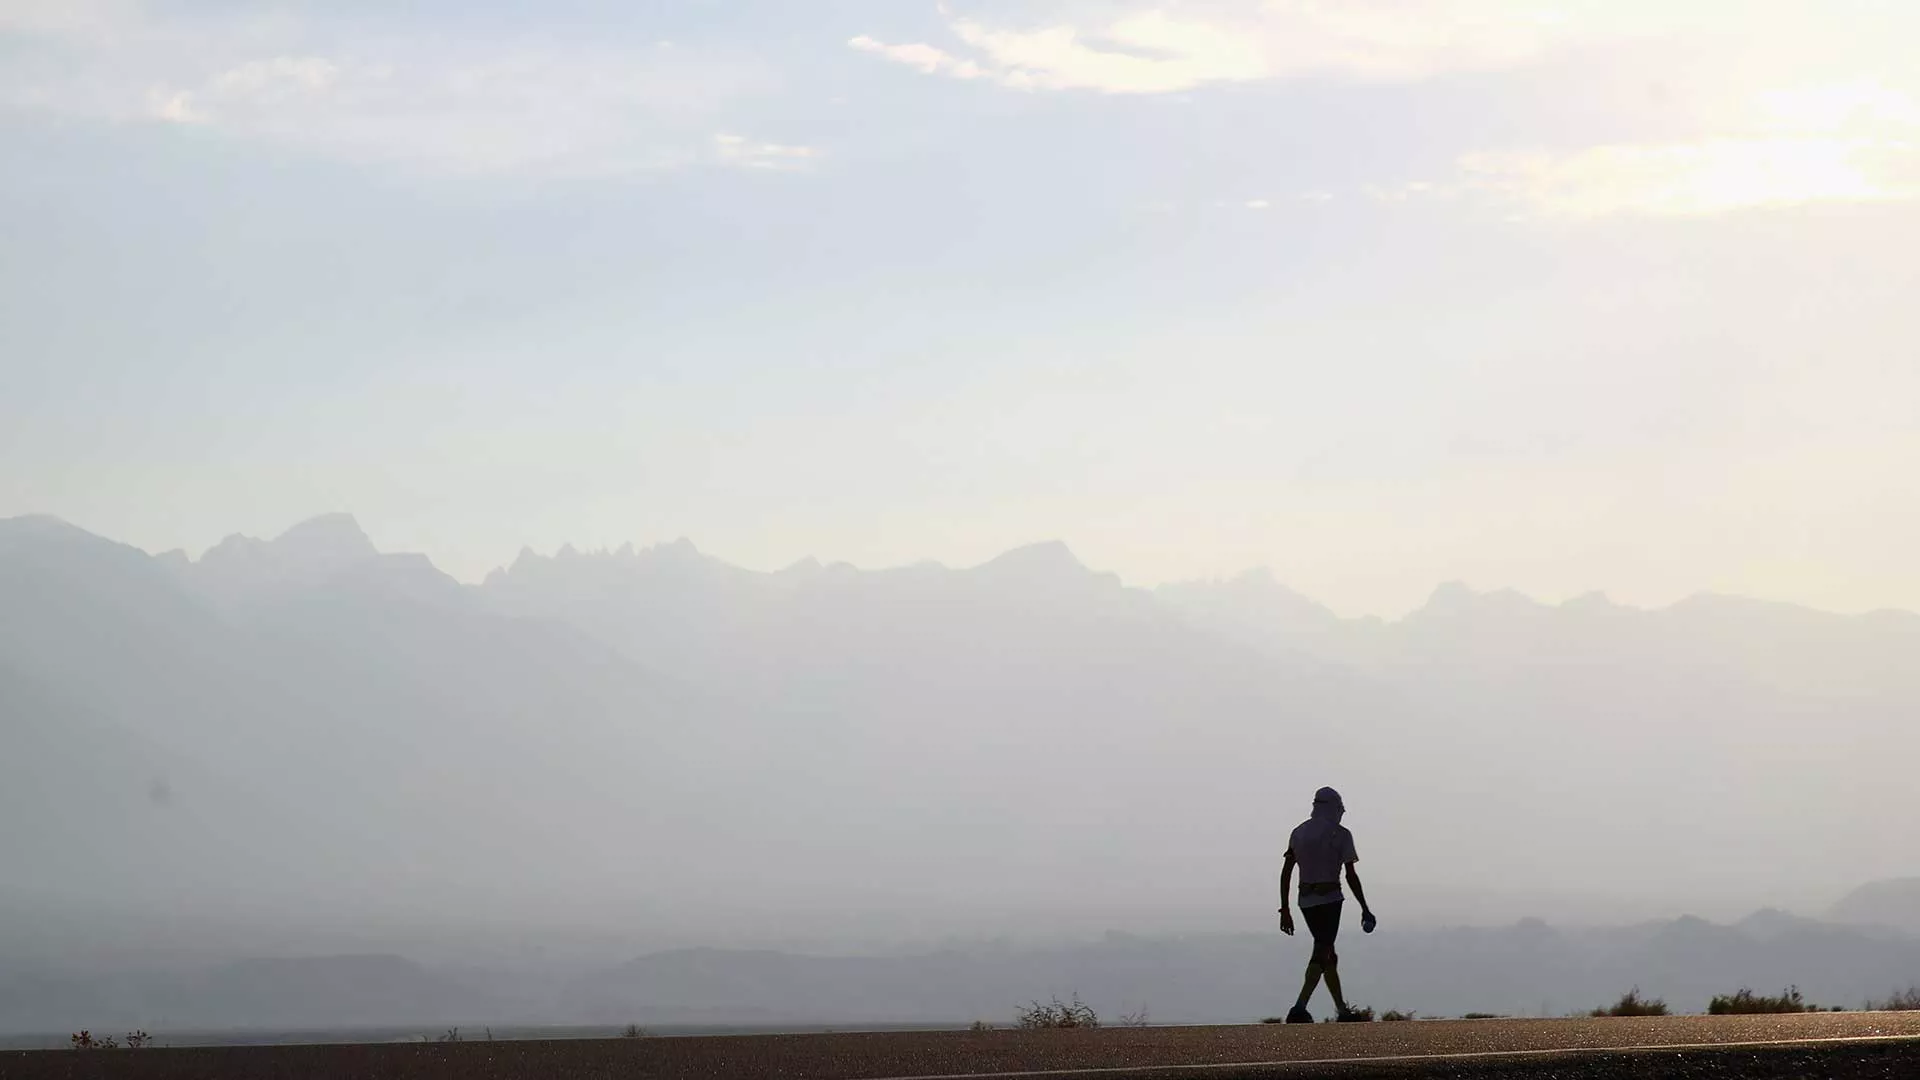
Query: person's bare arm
[(1286, 890), (1366, 913)]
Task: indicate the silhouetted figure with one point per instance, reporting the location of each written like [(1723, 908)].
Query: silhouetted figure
[(1320, 846)]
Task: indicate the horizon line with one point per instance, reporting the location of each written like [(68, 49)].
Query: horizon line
[(629, 549)]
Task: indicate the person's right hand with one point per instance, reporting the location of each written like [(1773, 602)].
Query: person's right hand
[(1368, 922), (1286, 922)]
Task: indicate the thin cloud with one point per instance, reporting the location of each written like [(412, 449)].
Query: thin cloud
[(387, 94), (745, 153), (928, 59), (299, 73), (175, 107), (1149, 51)]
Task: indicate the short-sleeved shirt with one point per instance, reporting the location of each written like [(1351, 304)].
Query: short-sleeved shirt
[(1321, 849)]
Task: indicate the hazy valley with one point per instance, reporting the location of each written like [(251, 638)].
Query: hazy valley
[(306, 748)]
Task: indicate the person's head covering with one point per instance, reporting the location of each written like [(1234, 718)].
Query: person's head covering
[(1327, 805)]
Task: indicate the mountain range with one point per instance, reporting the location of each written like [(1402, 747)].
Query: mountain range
[(653, 744), (1529, 968)]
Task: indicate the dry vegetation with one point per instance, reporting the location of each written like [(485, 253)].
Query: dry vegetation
[(1907, 1000), (1632, 1004), (84, 1040), (1059, 1014), (1744, 1001)]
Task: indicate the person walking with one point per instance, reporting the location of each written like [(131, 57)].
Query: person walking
[(1320, 846)]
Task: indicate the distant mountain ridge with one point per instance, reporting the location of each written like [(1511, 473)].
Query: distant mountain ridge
[(1796, 646), (1527, 968), (290, 994), (1893, 903), (308, 726)]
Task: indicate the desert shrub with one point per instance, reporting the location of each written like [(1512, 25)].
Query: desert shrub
[(633, 1031), (1395, 1015), (452, 1035), (1632, 1004), (1274, 1020), (1482, 1016), (980, 1025), (1907, 1000), (1744, 1001), (1134, 1019), (1058, 1014), (1360, 1012), (84, 1040)]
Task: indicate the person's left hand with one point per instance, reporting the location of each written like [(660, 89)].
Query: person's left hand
[(1368, 922), (1286, 922)]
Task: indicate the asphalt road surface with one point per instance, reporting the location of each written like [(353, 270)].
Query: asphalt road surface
[(1842, 1046)]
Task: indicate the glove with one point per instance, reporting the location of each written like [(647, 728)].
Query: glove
[(1368, 922)]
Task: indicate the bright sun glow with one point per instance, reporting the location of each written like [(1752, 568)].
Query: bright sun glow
[(1851, 142)]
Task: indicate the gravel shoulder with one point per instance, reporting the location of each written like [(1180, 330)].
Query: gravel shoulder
[(1839, 1045)]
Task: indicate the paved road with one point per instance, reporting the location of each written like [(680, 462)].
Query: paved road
[(1823, 1044), (1325, 1043)]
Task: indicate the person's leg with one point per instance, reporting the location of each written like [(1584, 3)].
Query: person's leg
[(1314, 970), (1324, 921), (1330, 967)]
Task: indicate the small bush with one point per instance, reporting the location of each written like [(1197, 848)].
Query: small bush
[(1274, 1020), (1395, 1015), (1632, 1004), (1744, 1001), (1134, 1019), (452, 1035), (1907, 1000), (84, 1040), (1482, 1016), (980, 1025), (633, 1031), (1058, 1014), (1358, 1012)]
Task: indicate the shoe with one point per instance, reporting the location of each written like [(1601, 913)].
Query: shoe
[(1348, 1016), (1299, 1015)]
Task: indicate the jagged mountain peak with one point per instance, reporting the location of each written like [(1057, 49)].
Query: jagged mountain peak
[(35, 528), (43, 524), (1034, 561), (323, 542), (1458, 598), (329, 537)]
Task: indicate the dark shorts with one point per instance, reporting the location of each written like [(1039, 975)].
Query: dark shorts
[(1323, 921)]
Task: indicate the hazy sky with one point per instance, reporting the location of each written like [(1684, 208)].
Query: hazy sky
[(1559, 295)]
